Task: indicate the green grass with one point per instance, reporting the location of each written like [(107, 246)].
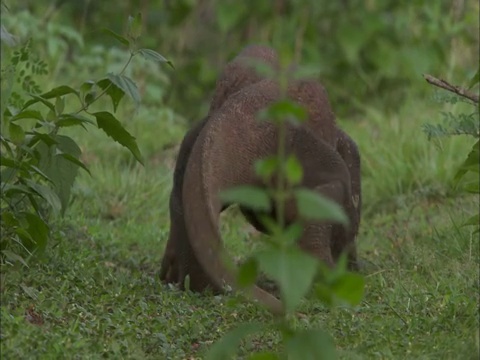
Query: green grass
[(97, 293)]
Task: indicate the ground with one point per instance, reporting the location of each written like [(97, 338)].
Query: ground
[(96, 293)]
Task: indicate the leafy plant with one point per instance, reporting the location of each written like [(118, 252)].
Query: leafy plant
[(39, 164), (295, 271), (461, 124)]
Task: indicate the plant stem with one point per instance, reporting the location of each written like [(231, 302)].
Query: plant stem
[(85, 106)]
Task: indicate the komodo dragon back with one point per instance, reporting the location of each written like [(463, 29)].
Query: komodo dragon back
[(223, 156), (240, 73)]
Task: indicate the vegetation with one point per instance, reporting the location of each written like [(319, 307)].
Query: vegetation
[(94, 291)]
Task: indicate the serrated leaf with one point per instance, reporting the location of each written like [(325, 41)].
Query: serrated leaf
[(291, 233), (293, 170), (10, 255), (39, 232), (471, 163), (119, 38), (284, 110), (90, 97), (311, 205), (247, 272), (59, 91), (266, 167), (154, 56), (349, 288), (47, 194), (75, 161), (292, 269), (17, 134), (113, 128), (60, 170), (127, 85), (28, 114), (475, 79), (65, 120), (134, 27), (311, 344), (116, 94), (87, 86), (253, 197), (37, 99), (45, 138), (59, 105), (228, 344)]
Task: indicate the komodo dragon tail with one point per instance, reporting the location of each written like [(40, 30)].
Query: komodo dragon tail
[(221, 158)]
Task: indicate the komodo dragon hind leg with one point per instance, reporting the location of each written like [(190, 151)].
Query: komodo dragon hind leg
[(348, 150)]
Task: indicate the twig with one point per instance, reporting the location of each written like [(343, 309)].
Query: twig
[(452, 88)]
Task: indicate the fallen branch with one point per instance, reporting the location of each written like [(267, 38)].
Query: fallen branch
[(452, 88)]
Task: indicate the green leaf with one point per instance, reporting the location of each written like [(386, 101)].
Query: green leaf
[(10, 255), (90, 97), (58, 167), (134, 27), (284, 110), (311, 344), (127, 85), (293, 170), (116, 94), (38, 230), (47, 194), (65, 120), (266, 167), (471, 163), (119, 38), (247, 272), (292, 269), (313, 206), (475, 79), (37, 99), (28, 114), (154, 56), (17, 135), (252, 197), (59, 105), (113, 128), (291, 233), (59, 91), (73, 160), (349, 288), (225, 347), (473, 186)]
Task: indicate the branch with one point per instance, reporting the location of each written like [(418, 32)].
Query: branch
[(452, 88)]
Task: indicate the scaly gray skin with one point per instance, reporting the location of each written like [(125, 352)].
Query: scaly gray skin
[(235, 127), (236, 75)]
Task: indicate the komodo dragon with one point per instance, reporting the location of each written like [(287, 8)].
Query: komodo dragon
[(179, 260), (236, 75), (209, 170)]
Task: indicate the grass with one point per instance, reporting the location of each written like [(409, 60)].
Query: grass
[(97, 294)]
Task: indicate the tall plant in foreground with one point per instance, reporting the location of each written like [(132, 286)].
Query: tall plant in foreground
[(467, 175), (39, 164), (295, 271)]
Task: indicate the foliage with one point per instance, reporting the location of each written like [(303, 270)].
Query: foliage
[(293, 270), (467, 175), (38, 163), (363, 52)]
